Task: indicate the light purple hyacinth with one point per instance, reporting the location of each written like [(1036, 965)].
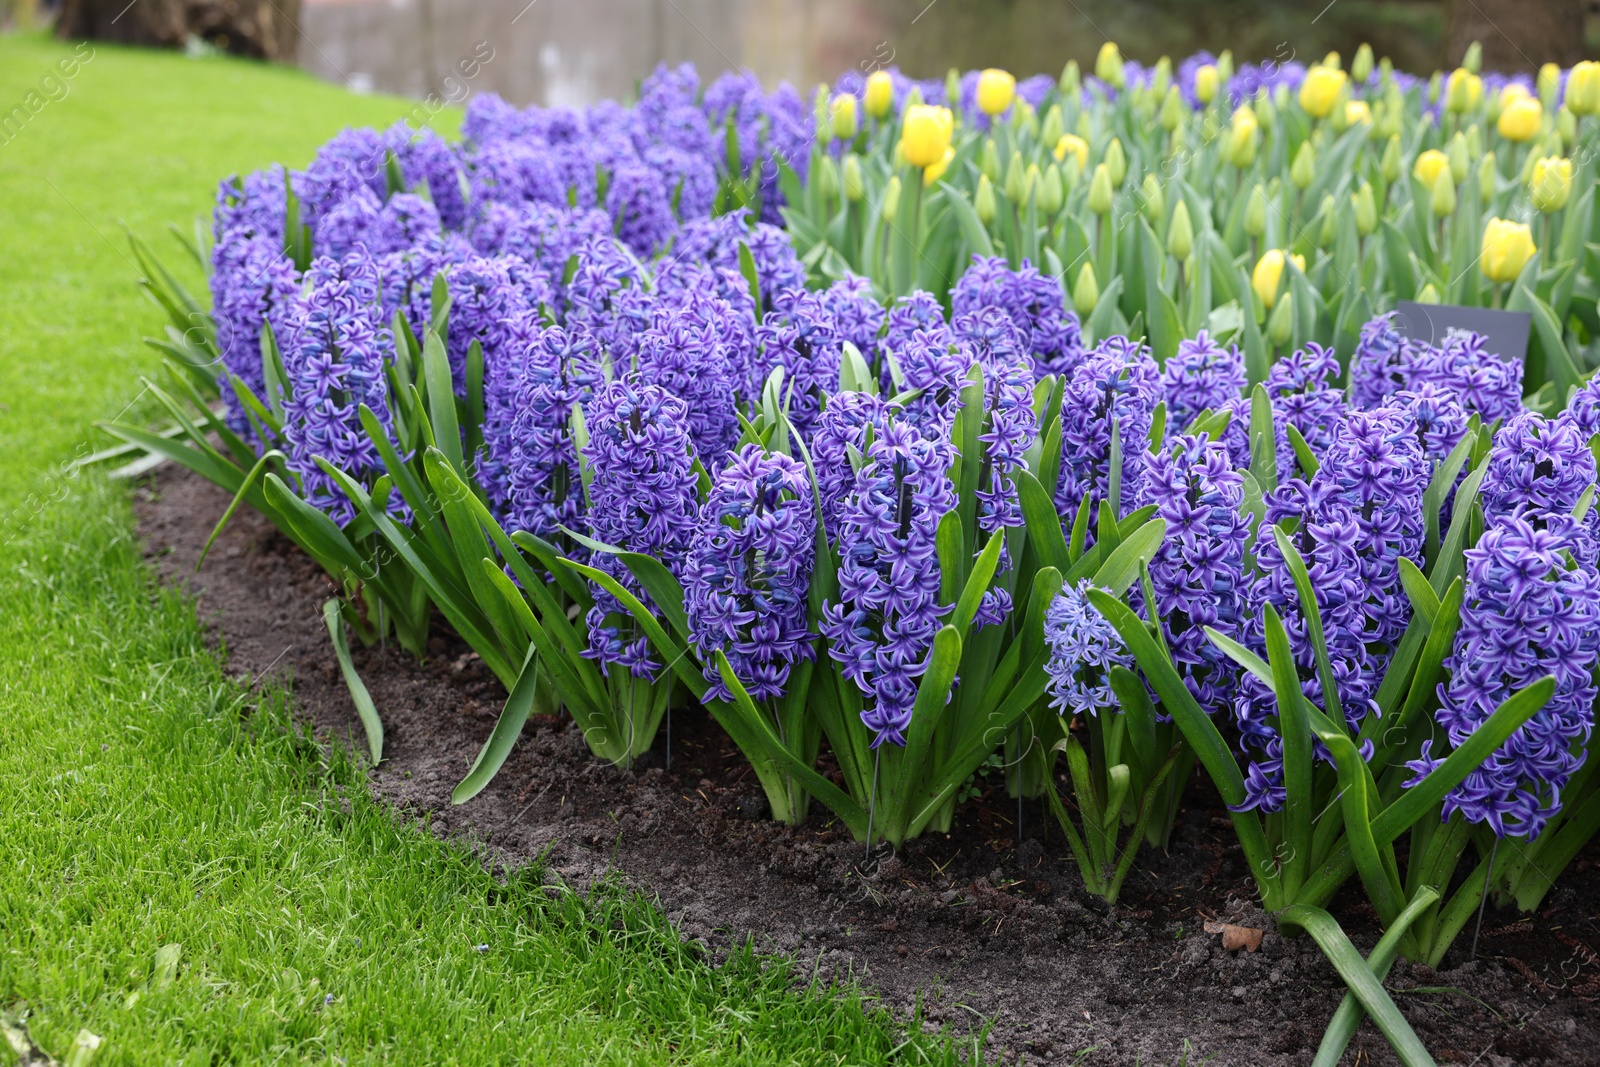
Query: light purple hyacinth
[(559, 375), (689, 178), (607, 293), (1303, 394), (1488, 385), (749, 572), (334, 365), (640, 205), (1529, 611), (684, 353), (1084, 648), (1539, 469), (1583, 410), (354, 159), (847, 423), (881, 627), (804, 340), (1201, 375), (1118, 384), (642, 498), (1036, 305), (916, 312), (430, 161), (716, 241), (252, 206), (511, 173), (253, 284), (859, 315), (403, 222), (1380, 366)]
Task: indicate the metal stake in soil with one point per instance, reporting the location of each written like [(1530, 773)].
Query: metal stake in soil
[(872, 802), (1488, 877)]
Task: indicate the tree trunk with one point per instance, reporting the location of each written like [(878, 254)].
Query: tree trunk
[(1517, 34), (265, 29)]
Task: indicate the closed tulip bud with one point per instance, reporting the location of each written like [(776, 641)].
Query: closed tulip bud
[(1551, 183), (1429, 295), (1304, 167), (1072, 145), (913, 98), (1030, 182), (1116, 162), (1085, 291), (1435, 87), (1100, 189), (1180, 141), (1385, 70), (1444, 195), (1366, 209), (1389, 164), (1507, 247), (1255, 213), (1014, 179), (995, 91), (1153, 200), (822, 112), (1267, 278), (826, 177), (1024, 118), (1361, 66), (880, 93), (1473, 60), (1357, 113), (1171, 114), (1071, 82), (1161, 76), (1084, 130), (1180, 233), (1459, 156), (1108, 65), (855, 186), (1429, 166), (1205, 83), (935, 170), (1052, 191), (1225, 66), (1463, 92), (844, 117), (1330, 221), (983, 200), (989, 159), (952, 86), (926, 134), (1321, 89), (1567, 126), (1487, 177), (1240, 149), (1050, 129), (1549, 84), (1280, 324), (891, 198)]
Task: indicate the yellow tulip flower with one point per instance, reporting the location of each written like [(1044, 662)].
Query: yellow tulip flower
[(880, 93), (1077, 146), (1357, 112), (1520, 119), (1463, 91), (996, 88), (1428, 166), (1205, 83), (1551, 183), (935, 170), (1507, 247), (1268, 275), (925, 136), (1320, 91), (844, 116), (1583, 88)]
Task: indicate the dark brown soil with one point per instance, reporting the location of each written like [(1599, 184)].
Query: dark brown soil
[(976, 925)]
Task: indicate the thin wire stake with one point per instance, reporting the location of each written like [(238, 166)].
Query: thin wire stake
[(1488, 877), (669, 737), (1020, 783), (872, 803)]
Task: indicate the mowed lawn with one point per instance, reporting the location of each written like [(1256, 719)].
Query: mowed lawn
[(146, 800)]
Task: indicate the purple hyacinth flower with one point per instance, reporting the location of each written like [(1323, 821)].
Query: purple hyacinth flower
[(1084, 647), (1037, 307), (559, 375), (1117, 385), (1200, 376)]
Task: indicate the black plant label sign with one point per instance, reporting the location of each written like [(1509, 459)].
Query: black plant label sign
[(1505, 333)]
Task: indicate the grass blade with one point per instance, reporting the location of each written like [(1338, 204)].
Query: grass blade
[(358, 689)]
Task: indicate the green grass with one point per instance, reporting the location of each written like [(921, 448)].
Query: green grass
[(145, 799)]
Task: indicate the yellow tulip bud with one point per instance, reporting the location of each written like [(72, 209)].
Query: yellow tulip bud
[(1085, 291), (1266, 111), (844, 116), (1161, 76), (1429, 165), (855, 185), (1473, 60), (1100, 190), (1551, 183), (826, 177), (1463, 92), (1474, 142), (1549, 84), (1507, 247), (1330, 221), (1280, 324), (880, 93), (1116, 162), (1171, 114), (821, 111), (1108, 65), (935, 170), (983, 200), (1267, 278), (1457, 155), (925, 135), (995, 91), (1444, 195), (891, 198), (1240, 149), (952, 84), (1429, 295), (1389, 164), (1014, 179), (1567, 126), (1361, 66), (1304, 167), (1357, 113), (1071, 82), (1205, 83), (1255, 213), (1487, 178), (1180, 233), (989, 159), (1052, 191), (1366, 209), (1321, 89), (1077, 147), (1050, 130), (1154, 201), (1583, 88), (1225, 66)]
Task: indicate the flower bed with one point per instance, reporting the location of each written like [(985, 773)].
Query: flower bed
[(868, 485)]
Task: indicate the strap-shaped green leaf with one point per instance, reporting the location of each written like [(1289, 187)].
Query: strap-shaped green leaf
[(368, 712), (1311, 614), (442, 400), (507, 728), (933, 693), (1423, 599), (677, 660), (1044, 523), (1118, 572)]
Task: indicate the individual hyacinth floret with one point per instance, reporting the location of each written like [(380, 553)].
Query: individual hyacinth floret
[(882, 626), (642, 498), (1084, 647), (749, 572), (1529, 611)]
